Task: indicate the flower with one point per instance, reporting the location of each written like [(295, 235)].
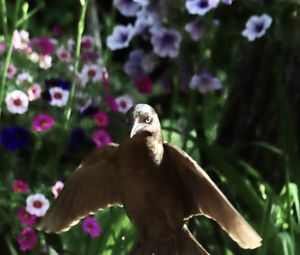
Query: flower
[(205, 82), (149, 62), (142, 2), (45, 61), (45, 45), (83, 101), (63, 54), (57, 188), (101, 138), (128, 8), (257, 26), (27, 239), (59, 96), (20, 39), (101, 119), (91, 72), (34, 92), (228, 2), (148, 21), (124, 102), (11, 71), (20, 186), (133, 66), (3, 47), (195, 28), (111, 102), (166, 42), (87, 42), (25, 217), (120, 38), (17, 102), (14, 138), (24, 78), (144, 84), (42, 122), (57, 31), (105, 78), (200, 7), (37, 204), (91, 227)]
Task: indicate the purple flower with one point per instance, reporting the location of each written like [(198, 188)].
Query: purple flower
[(144, 84), (166, 42), (257, 26), (14, 138), (42, 122), (195, 28), (200, 7), (205, 82), (148, 20), (44, 44), (27, 239), (128, 8), (111, 102), (25, 217), (133, 66), (91, 227), (101, 138), (120, 38), (228, 2)]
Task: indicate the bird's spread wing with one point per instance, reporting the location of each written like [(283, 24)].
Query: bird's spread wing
[(208, 200), (91, 187)]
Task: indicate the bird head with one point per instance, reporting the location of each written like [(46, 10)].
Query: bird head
[(143, 118)]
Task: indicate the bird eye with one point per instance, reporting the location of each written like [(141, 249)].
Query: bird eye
[(148, 120)]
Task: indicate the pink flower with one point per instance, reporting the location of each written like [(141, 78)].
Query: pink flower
[(57, 188), (144, 84), (125, 102), (105, 79), (11, 71), (17, 102), (20, 186), (20, 39), (27, 239), (24, 78), (63, 55), (101, 138), (3, 47), (37, 204), (91, 72), (25, 217), (111, 103), (87, 42), (91, 227), (101, 119), (34, 92), (42, 122), (59, 96)]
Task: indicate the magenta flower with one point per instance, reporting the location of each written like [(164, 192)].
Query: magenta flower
[(111, 103), (25, 217), (101, 138), (45, 45), (91, 227), (20, 186), (144, 84), (42, 122), (57, 188), (101, 119), (27, 239)]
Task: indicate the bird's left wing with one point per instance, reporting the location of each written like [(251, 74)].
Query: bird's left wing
[(90, 188), (205, 198)]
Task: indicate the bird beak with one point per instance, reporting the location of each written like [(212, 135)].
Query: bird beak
[(136, 128)]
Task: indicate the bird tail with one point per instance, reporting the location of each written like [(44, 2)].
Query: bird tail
[(183, 243)]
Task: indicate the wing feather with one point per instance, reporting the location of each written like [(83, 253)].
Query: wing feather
[(210, 201), (90, 188)]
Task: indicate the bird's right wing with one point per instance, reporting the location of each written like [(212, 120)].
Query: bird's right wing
[(90, 188)]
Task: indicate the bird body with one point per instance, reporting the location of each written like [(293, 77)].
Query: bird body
[(159, 186)]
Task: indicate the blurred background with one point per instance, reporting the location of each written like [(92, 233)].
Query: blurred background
[(222, 75)]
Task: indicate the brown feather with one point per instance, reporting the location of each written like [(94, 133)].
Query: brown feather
[(90, 188), (210, 201)]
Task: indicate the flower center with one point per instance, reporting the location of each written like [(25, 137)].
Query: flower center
[(91, 73), (17, 102), (123, 37), (37, 204), (123, 104), (57, 95), (203, 4), (259, 27), (64, 55)]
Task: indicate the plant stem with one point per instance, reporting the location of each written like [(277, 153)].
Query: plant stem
[(68, 110), (4, 18), (8, 56)]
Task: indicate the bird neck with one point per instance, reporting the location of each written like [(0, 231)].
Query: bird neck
[(155, 146)]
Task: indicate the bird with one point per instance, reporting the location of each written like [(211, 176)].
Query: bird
[(159, 186)]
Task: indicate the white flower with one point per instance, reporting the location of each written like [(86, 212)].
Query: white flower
[(37, 204), (45, 61), (24, 78), (59, 96), (57, 188), (91, 72), (121, 37), (20, 39), (125, 102), (63, 54), (34, 92), (17, 102), (200, 7), (257, 26)]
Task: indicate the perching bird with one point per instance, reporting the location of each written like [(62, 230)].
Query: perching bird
[(159, 186)]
